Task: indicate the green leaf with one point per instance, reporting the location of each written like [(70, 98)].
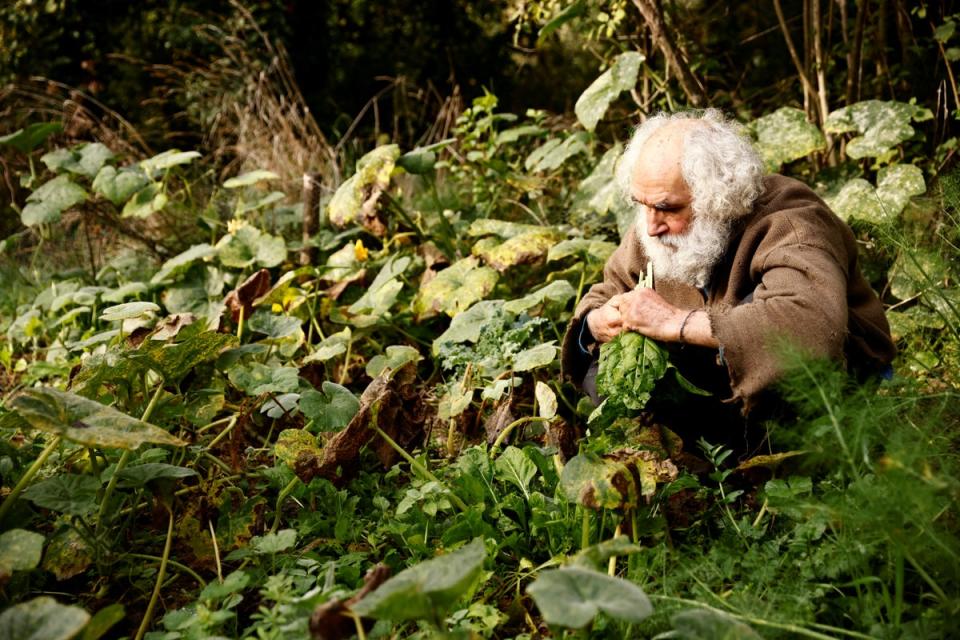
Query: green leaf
[(125, 291), (85, 160), (86, 422), (546, 400), (42, 618), (454, 289), (598, 193), (294, 443), (50, 200), (558, 291), (383, 291), (944, 31), (710, 624), (522, 249), (118, 186), (785, 135), (535, 357), (103, 621), (467, 326), (501, 228), (174, 361), (596, 251), (620, 77), (250, 178), (248, 246), (180, 263), (454, 402), (255, 379), (395, 357), (30, 137), (357, 197), (272, 543), (332, 408), (630, 365), (235, 582), (167, 159), (68, 493), (572, 597), (145, 202), (515, 467), (418, 161), (896, 184), (273, 325), (139, 475), (129, 310), (574, 10), (330, 347), (427, 590), (20, 550), (881, 125), (555, 152)]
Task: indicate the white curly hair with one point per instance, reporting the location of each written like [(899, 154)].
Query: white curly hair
[(721, 168)]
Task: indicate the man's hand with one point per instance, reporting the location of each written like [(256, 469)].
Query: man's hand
[(605, 322), (645, 311)]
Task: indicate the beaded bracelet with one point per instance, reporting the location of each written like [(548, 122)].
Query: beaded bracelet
[(683, 325)]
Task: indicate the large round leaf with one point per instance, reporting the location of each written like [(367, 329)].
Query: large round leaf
[(50, 200), (42, 618), (620, 77), (426, 590), (85, 421), (881, 125), (454, 289), (20, 550), (69, 493), (785, 135), (573, 597)]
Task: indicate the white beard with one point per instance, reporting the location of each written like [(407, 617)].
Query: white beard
[(688, 258)]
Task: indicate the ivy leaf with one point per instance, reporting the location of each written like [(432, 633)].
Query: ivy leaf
[(572, 597), (426, 590), (50, 200), (785, 135), (332, 408), (69, 493), (85, 421), (30, 137), (249, 179), (620, 77), (255, 379), (555, 152), (515, 467), (881, 125), (20, 550), (454, 289), (42, 618), (118, 186)]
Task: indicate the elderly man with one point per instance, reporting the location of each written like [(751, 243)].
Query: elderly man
[(741, 262)]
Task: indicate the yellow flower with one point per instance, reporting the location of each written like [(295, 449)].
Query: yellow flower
[(277, 307), (360, 252), (235, 225)]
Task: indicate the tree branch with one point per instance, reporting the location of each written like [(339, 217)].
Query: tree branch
[(664, 40)]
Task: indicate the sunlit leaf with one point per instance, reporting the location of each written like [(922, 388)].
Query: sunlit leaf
[(426, 590), (128, 310), (85, 421), (248, 246), (271, 543), (558, 291), (182, 262), (896, 184), (574, 596), (785, 135), (466, 326), (555, 152), (145, 202), (396, 356), (255, 378), (455, 289), (330, 347), (515, 467), (250, 178), (522, 249), (42, 618), (51, 199), (599, 193), (167, 159), (620, 77), (535, 357), (356, 198), (295, 443), (881, 125), (546, 400)]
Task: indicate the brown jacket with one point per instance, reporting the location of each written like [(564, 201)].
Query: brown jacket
[(791, 272)]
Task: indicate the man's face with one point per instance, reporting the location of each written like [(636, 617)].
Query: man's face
[(659, 189)]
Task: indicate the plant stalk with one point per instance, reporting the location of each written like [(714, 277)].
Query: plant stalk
[(161, 573), (27, 477)]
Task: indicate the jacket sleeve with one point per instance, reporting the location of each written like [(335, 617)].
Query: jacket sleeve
[(799, 303), (620, 274)]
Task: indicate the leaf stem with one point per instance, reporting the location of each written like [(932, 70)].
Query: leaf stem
[(284, 494), (173, 563), (415, 464), (510, 427), (161, 573), (27, 477)]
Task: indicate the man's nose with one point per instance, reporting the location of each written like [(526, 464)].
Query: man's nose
[(655, 223)]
